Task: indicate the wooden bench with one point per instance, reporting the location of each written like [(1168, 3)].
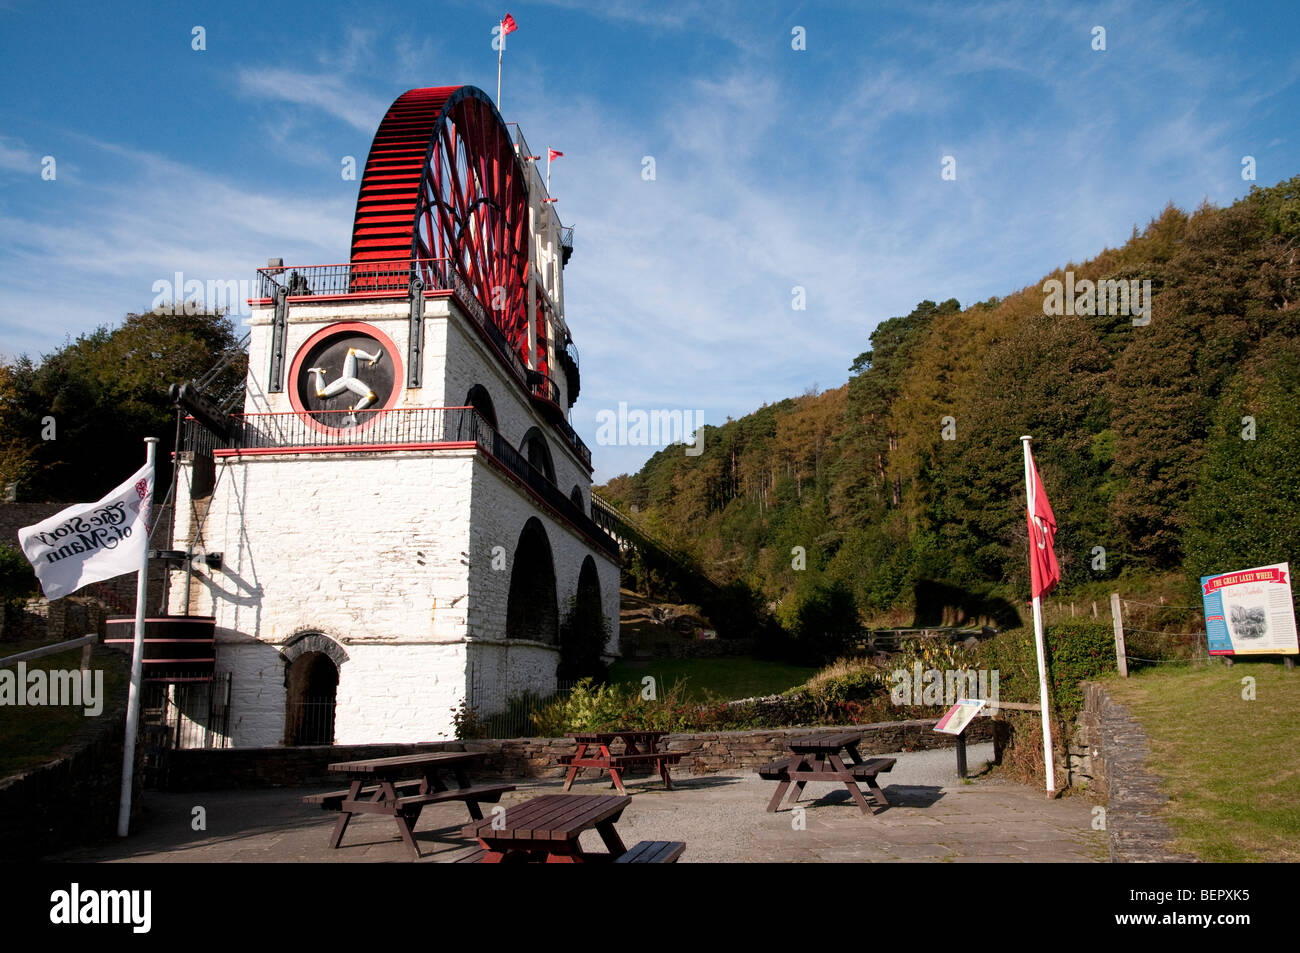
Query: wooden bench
[(669, 757), (333, 800), (638, 748), (653, 852), (776, 771), (401, 787), (486, 793), (490, 793), (871, 767)]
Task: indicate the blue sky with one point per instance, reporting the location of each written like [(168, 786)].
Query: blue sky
[(774, 167)]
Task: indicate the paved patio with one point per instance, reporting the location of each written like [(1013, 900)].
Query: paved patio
[(935, 817)]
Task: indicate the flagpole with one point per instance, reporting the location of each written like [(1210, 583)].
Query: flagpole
[(137, 662), (501, 48), (548, 170), (1048, 761)]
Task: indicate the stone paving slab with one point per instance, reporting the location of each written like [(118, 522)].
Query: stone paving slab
[(935, 817)]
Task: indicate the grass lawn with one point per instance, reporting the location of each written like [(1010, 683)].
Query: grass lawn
[(33, 735), (721, 678), (1231, 767)]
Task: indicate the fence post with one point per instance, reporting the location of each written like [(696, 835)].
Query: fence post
[(1121, 655)]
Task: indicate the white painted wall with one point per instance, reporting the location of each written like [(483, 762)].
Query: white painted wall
[(387, 553)]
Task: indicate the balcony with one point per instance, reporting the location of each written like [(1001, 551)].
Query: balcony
[(388, 279), (408, 428), (566, 244), (393, 279)]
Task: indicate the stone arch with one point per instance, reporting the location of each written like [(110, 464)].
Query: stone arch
[(538, 452), (311, 681), (479, 398), (313, 641), (575, 497), (531, 609), (584, 630)]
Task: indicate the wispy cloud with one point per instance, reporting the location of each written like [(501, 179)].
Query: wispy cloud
[(329, 92)]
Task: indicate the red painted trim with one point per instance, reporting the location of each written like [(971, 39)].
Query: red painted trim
[(361, 295), (159, 641), (351, 448), (168, 678), (195, 619), (358, 327)]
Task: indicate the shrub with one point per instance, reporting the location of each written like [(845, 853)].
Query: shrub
[(834, 687), (17, 580)]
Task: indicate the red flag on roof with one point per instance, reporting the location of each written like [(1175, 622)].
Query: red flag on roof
[(508, 25), (1044, 571), (554, 154)]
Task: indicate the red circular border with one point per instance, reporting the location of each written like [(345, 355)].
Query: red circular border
[(328, 331)]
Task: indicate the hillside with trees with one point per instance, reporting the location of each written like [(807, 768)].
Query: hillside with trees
[(1172, 446)]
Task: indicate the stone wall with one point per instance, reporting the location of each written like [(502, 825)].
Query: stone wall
[(705, 753), (1108, 759)]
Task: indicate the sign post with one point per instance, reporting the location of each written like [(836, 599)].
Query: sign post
[(137, 665)]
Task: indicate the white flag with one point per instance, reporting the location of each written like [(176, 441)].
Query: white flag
[(91, 542)]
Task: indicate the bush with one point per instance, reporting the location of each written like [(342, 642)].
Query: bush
[(17, 580), (842, 687), (1076, 651)]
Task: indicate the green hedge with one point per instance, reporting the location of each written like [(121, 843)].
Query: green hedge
[(1076, 650)]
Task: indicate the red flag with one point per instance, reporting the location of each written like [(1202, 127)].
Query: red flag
[(554, 154), (508, 25), (1044, 571)]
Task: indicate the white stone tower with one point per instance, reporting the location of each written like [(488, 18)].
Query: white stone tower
[(400, 517)]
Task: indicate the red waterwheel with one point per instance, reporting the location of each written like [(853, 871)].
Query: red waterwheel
[(443, 186)]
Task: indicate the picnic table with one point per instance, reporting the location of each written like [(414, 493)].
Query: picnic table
[(817, 758), (639, 747), (402, 786), (546, 829)]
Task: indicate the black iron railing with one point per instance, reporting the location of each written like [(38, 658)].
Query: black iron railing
[(309, 722), (575, 443), (410, 427), (541, 385), (388, 278), (328, 429)]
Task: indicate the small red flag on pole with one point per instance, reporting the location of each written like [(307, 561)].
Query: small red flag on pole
[(1044, 570), (551, 154), (506, 26)]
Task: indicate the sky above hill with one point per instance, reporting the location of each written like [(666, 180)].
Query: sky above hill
[(855, 158)]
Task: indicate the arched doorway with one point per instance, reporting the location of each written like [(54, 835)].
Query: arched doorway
[(479, 398), (538, 453), (531, 611), (584, 631), (311, 681)]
